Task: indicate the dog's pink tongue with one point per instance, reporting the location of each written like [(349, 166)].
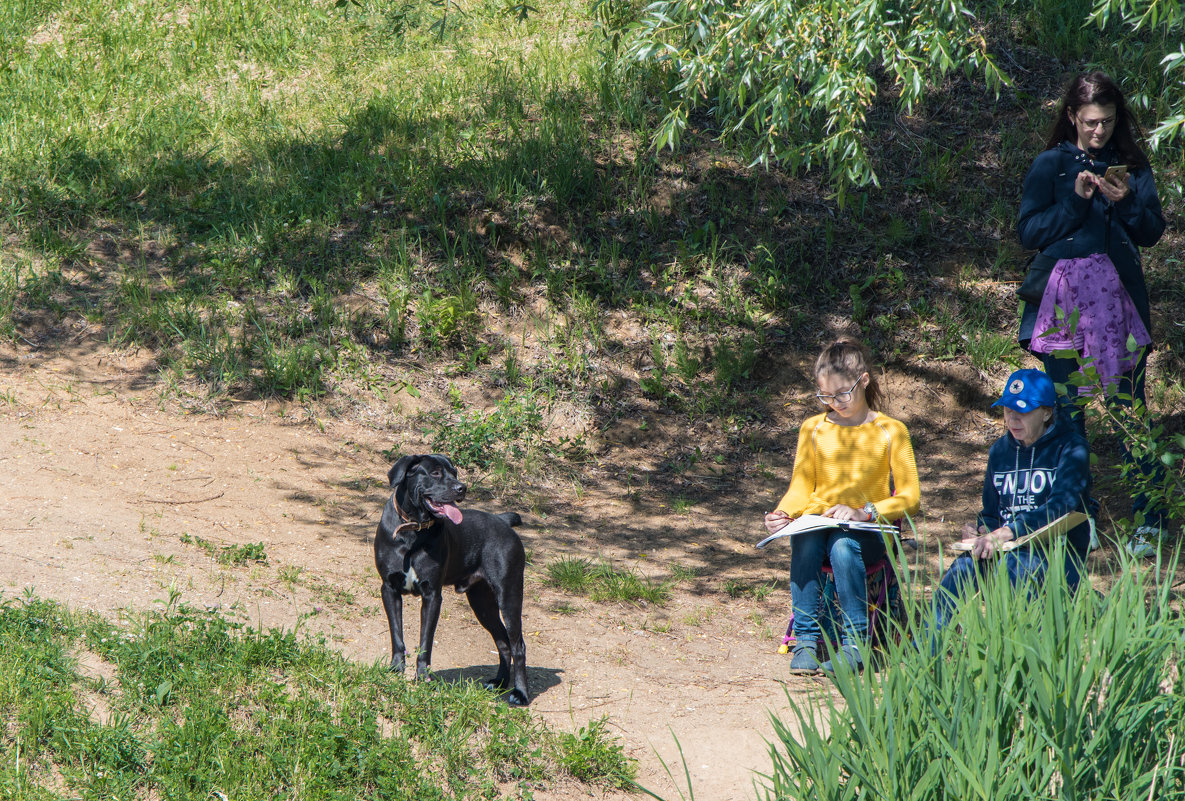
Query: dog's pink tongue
[(452, 512)]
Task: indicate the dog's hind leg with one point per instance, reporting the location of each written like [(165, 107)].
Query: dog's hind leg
[(504, 623), (512, 613), (485, 608), (393, 605)]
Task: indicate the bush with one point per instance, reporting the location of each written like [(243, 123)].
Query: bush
[(1156, 469), (472, 437)]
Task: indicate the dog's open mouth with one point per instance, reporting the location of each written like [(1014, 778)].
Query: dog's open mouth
[(448, 510)]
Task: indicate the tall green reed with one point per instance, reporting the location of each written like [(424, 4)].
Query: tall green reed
[(1045, 697)]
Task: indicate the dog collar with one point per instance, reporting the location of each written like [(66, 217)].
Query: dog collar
[(414, 525)]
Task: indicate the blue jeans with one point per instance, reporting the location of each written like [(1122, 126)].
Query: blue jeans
[(1130, 384), (1025, 567), (848, 553)]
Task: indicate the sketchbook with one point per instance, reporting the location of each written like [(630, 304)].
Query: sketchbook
[(1047, 532), (818, 522)]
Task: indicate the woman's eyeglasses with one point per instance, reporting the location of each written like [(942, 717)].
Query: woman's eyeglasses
[(1090, 125), (841, 397)]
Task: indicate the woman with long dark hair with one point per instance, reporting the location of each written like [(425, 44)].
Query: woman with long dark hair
[(1089, 204)]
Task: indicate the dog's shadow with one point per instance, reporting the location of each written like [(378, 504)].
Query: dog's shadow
[(539, 679)]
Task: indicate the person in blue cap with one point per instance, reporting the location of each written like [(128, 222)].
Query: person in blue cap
[(1037, 472)]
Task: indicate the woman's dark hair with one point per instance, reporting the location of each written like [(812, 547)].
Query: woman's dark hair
[(1099, 88), (850, 360)]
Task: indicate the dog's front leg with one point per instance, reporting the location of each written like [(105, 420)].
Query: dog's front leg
[(429, 615), (393, 604)]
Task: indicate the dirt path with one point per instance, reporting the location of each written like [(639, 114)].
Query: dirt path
[(109, 502)]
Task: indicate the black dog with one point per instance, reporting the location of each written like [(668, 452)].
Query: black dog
[(424, 542)]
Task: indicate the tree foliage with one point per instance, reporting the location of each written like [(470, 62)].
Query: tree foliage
[(799, 77), (793, 82), (1163, 21)]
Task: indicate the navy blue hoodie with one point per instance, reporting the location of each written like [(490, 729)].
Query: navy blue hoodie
[(1062, 225), (1025, 488)]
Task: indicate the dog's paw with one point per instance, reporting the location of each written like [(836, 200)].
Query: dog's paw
[(397, 665), (497, 684), (517, 698)]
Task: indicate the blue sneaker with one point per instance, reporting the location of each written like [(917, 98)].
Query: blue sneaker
[(805, 659), (1145, 541), (846, 658)]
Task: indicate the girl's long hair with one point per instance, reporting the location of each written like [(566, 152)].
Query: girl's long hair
[(1099, 88), (849, 359)]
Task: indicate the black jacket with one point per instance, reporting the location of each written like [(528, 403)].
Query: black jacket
[(1062, 225)]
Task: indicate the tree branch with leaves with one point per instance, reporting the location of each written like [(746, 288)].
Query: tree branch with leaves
[(793, 82), (1164, 20)]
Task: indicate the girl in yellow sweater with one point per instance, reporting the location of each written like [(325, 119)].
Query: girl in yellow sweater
[(853, 463)]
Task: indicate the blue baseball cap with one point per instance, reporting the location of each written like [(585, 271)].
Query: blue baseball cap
[(1027, 390)]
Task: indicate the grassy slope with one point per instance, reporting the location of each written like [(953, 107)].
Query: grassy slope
[(282, 199), (181, 703), (300, 201)]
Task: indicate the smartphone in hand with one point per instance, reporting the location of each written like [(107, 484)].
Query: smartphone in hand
[(1116, 173)]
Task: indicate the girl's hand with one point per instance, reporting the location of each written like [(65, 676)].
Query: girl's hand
[(776, 520), (987, 543), (1084, 184), (1114, 190), (843, 512)]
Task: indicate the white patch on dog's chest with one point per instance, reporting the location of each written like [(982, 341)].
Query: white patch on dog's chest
[(410, 579)]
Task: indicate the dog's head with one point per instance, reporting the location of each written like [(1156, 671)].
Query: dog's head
[(426, 486)]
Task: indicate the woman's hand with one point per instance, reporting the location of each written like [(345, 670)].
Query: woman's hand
[(1084, 184), (984, 543), (776, 520), (843, 512), (1115, 189)]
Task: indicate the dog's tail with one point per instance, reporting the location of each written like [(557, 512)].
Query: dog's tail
[(510, 518)]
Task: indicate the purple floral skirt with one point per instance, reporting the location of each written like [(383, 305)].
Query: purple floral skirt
[(1106, 317)]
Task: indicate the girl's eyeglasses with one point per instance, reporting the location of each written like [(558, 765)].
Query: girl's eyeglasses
[(842, 397)]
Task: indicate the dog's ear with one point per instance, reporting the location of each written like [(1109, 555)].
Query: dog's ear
[(399, 470), (447, 461)]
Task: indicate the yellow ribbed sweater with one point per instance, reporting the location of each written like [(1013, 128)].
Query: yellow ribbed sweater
[(853, 465)]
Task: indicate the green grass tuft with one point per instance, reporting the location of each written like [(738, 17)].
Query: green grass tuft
[(229, 554), (602, 582), (593, 756)]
